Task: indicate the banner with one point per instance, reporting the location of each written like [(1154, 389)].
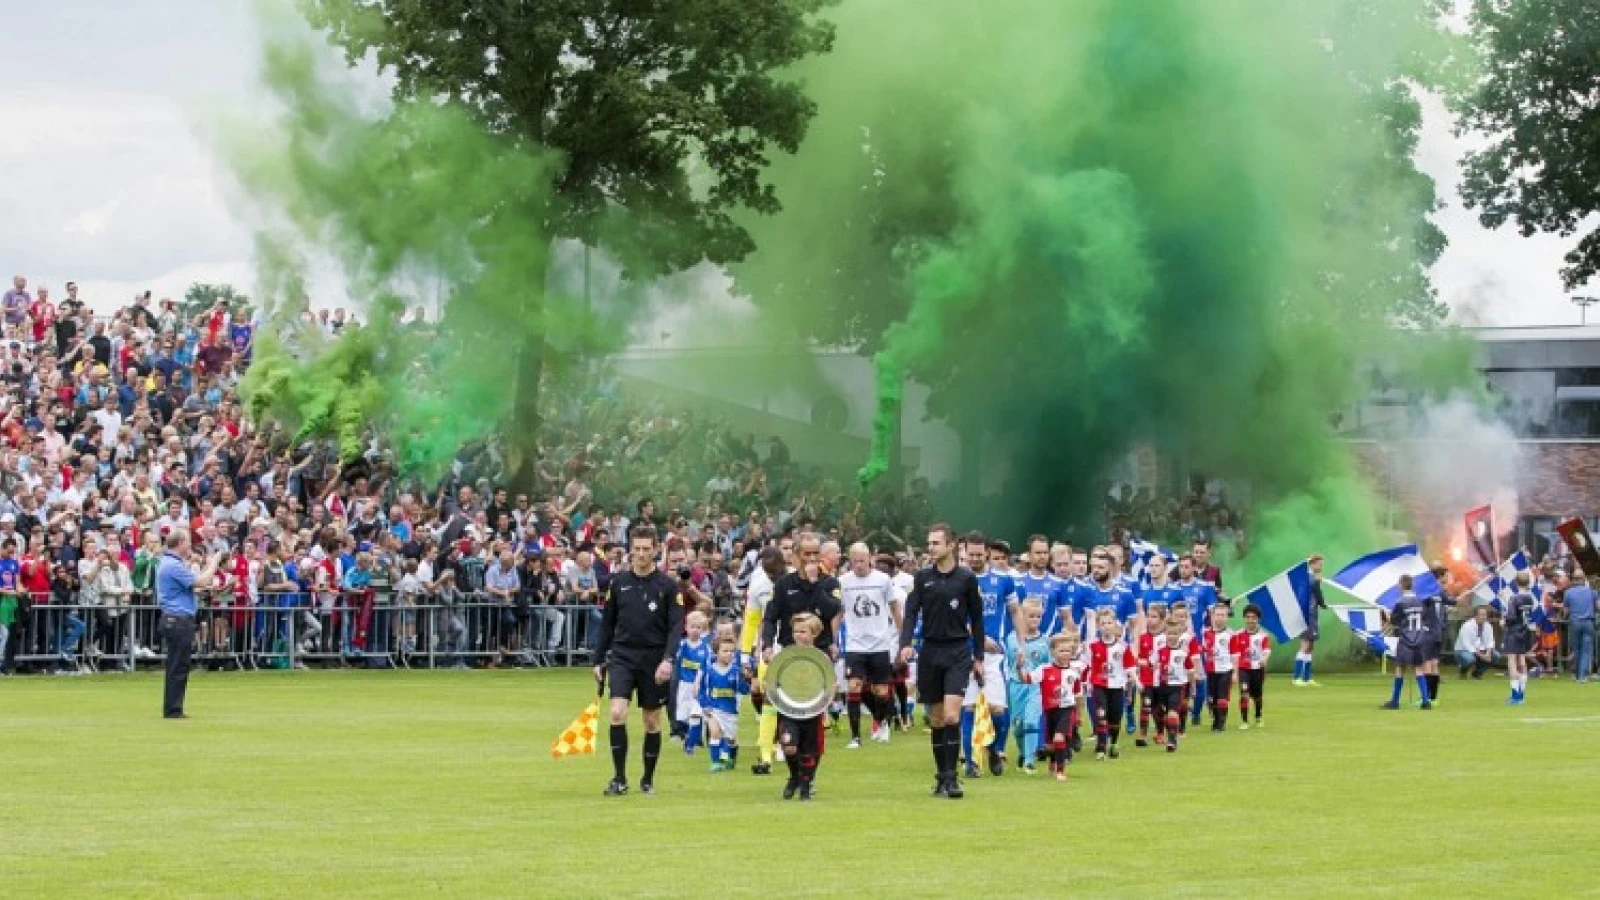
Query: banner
[(1576, 536), (1481, 538)]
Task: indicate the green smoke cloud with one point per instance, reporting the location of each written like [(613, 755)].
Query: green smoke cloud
[(1091, 224), (415, 206)]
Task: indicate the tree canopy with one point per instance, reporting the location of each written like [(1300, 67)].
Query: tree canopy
[(662, 119), (1537, 98)]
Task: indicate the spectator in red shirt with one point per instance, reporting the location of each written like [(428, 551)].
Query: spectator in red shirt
[(43, 314)]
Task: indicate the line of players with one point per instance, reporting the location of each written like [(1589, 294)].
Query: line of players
[(1082, 642), (1085, 641)]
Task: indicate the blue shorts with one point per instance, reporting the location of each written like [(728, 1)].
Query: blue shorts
[(1025, 702)]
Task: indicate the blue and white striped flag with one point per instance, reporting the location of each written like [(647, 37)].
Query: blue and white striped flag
[(1285, 602), (1139, 555), (1375, 577), (1367, 623)]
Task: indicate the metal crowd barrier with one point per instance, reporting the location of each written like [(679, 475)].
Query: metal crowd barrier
[(301, 630)]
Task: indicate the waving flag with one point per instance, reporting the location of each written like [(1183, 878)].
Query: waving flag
[(1375, 577), (1504, 579), (1139, 555), (1480, 536), (1367, 623), (982, 725), (1285, 602)]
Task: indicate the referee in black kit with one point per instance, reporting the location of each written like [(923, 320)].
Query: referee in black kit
[(639, 633), (945, 597)]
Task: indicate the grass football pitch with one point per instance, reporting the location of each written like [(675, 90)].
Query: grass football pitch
[(356, 784)]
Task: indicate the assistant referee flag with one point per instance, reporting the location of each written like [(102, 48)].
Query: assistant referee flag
[(579, 736), (982, 724)]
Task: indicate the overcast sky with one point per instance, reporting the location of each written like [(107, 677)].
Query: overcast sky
[(103, 179)]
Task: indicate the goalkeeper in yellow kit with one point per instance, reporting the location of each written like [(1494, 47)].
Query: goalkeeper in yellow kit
[(772, 566)]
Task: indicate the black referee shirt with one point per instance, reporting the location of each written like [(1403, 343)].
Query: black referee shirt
[(793, 595), (642, 615), (950, 607)]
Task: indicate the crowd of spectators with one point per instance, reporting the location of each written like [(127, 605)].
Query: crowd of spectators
[(116, 430), (1179, 518)]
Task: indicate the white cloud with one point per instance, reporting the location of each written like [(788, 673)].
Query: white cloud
[(91, 222)]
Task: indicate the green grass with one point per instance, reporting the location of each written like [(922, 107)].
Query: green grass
[(356, 784)]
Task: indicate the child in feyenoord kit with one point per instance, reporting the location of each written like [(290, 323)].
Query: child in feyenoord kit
[(802, 739), (1251, 647), (1217, 646), (1181, 665), (1149, 643), (1110, 662), (1060, 682)]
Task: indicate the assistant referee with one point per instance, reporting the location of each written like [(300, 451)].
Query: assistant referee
[(176, 582), (946, 599), (639, 632)]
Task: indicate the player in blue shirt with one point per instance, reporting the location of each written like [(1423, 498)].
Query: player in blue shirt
[(1519, 638), (1199, 596), (720, 685), (1071, 566), (1001, 608), (1409, 619), (1039, 583), (1160, 590), (1001, 616), (1120, 569), (693, 653)]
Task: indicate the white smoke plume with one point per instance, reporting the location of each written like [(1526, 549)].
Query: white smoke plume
[(1452, 457)]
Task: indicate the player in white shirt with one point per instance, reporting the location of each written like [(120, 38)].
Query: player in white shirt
[(872, 621)]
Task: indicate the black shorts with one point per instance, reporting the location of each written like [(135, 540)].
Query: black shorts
[(806, 735), (943, 672), (1109, 703), (1218, 684), (1430, 649), (1169, 697), (1057, 721), (873, 668), (632, 675), (1251, 681)]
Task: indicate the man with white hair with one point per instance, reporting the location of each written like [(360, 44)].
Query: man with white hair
[(872, 624)]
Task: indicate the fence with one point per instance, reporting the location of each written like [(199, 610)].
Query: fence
[(282, 631)]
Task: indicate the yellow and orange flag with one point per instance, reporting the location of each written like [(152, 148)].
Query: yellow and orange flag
[(982, 724), (579, 736)]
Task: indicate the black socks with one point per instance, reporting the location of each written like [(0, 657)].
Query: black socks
[(652, 751), (619, 750)]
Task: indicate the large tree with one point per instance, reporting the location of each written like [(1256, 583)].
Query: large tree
[(1537, 98), (664, 117)]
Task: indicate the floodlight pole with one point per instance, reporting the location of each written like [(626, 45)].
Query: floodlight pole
[(1583, 304)]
